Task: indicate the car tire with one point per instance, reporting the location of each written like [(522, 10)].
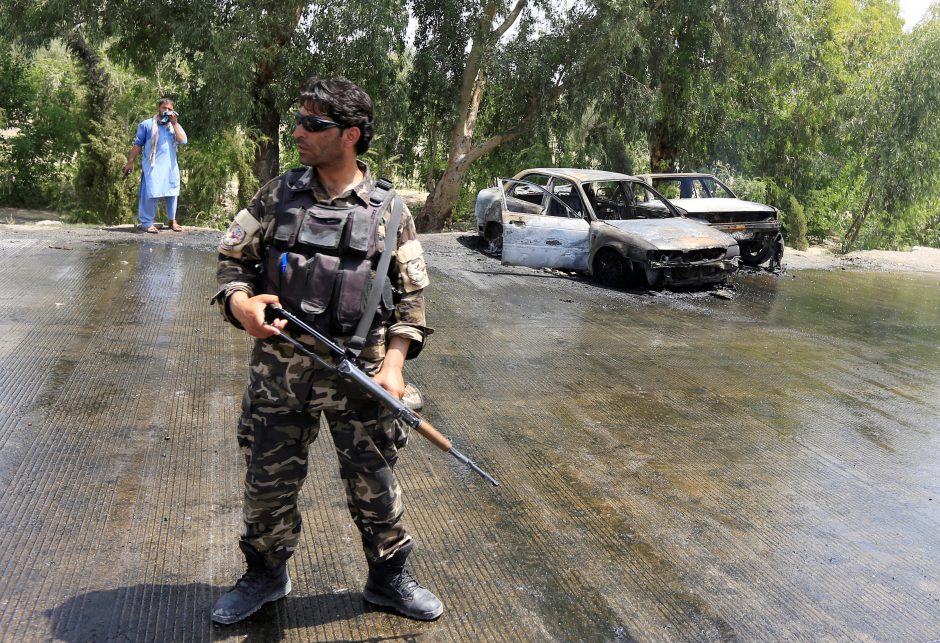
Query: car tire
[(756, 255), (493, 236), (609, 268)]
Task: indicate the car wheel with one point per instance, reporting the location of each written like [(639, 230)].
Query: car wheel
[(609, 268), (493, 236), (756, 254)]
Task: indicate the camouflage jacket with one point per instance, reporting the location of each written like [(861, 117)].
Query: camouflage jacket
[(242, 249)]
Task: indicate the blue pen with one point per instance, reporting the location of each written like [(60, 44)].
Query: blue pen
[(283, 262)]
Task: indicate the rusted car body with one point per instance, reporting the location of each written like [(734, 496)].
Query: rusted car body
[(754, 226), (611, 226)]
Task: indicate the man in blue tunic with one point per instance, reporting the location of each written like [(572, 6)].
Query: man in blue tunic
[(157, 138)]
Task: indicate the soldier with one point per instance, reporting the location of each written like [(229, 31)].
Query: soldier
[(310, 241)]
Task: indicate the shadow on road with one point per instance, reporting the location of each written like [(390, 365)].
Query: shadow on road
[(178, 612)]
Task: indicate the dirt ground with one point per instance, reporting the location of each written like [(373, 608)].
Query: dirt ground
[(916, 260), (29, 223)]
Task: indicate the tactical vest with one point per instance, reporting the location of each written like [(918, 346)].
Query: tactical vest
[(321, 258)]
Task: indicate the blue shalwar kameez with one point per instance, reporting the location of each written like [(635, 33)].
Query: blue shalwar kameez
[(160, 180)]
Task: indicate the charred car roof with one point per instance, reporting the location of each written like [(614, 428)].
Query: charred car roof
[(579, 175)]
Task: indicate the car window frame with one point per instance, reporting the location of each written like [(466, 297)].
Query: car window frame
[(628, 185), (672, 209), (545, 191), (722, 184), (595, 216), (554, 182), (695, 177)]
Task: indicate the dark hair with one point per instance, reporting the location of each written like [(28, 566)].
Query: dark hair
[(342, 101), (165, 99)]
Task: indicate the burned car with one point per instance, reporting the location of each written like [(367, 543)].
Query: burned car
[(755, 226), (612, 227)]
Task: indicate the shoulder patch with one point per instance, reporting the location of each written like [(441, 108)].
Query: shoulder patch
[(239, 234), (411, 265)]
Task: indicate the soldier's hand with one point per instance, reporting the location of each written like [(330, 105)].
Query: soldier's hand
[(392, 381), (249, 311), (390, 376)]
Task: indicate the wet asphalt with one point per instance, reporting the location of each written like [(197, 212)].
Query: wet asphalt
[(674, 466)]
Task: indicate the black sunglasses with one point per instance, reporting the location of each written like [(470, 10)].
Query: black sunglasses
[(313, 123)]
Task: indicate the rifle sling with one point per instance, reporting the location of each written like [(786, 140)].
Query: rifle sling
[(358, 340)]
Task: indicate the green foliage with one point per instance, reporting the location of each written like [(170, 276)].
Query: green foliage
[(825, 109), (794, 224), (892, 140), (100, 192), (103, 195), (699, 59), (218, 178), (39, 94), (827, 209), (757, 189)]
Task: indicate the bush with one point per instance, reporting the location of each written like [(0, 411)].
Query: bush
[(747, 188), (41, 113), (794, 224), (104, 196), (218, 178)]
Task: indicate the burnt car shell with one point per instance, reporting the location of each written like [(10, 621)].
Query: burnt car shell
[(755, 226), (569, 219), (678, 248)]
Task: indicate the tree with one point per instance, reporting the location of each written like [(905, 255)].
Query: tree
[(894, 140), (690, 52), (246, 61), (492, 20), (238, 64), (101, 159), (40, 109), (523, 64)]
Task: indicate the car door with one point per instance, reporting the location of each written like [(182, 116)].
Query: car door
[(549, 235)]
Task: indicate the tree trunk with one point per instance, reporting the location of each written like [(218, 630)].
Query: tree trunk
[(851, 236), (441, 201), (267, 162), (462, 153), (432, 157), (663, 154), (265, 119)]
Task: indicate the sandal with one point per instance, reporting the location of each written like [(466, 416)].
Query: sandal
[(174, 226), (152, 229)]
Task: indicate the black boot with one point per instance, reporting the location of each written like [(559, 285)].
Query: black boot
[(391, 585), (260, 584)]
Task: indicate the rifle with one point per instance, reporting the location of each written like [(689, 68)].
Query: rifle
[(345, 366)]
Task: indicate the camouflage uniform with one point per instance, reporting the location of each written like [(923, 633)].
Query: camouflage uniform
[(287, 392)]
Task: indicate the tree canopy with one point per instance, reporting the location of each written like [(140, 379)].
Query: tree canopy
[(826, 109)]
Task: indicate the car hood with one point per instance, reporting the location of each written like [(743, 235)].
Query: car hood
[(675, 233), (703, 206)]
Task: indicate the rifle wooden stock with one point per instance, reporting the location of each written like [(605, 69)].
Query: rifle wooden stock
[(427, 429)]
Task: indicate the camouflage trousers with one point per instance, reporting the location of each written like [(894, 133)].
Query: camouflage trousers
[(281, 411)]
